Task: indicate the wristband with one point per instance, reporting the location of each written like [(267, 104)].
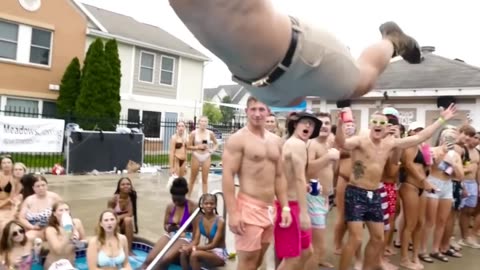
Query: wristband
[(286, 209), (442, 120)]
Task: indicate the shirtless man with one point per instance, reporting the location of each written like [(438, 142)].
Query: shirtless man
[(362, 199), (321, 155), (253, 154), (470, 185), (280, 59), (293, 245)]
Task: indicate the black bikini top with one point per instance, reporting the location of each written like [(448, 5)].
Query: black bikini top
[(178, 145), (419, 158), (7, 188)]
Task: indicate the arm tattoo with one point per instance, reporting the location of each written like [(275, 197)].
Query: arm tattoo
[(358, 169)]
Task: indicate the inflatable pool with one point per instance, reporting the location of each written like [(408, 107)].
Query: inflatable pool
[(141, 248)]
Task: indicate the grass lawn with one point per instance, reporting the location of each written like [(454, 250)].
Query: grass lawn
[(47, 160)]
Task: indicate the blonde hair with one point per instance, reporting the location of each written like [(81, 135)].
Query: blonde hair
[(20, 164)]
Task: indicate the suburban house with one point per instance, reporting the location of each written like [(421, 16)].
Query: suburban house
[(38, 39), (162, 77), (412, 89)]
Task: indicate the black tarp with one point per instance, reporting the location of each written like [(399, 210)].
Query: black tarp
[(103, 151)]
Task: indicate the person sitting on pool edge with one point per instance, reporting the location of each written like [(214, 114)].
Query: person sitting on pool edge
[(124, 204), (176, 214), (108, 249), (211, 226)]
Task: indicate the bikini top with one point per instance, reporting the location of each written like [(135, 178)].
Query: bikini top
[(419, 158), (185, 217), (7, 188), (104, 261), (179, 145), (213, 230), (39, 218), (118, 210), (199, 140)]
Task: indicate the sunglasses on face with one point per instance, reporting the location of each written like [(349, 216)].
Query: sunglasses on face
[(18, 232), (377, 122)]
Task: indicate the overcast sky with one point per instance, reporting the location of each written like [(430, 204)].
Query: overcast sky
[(451, 26)]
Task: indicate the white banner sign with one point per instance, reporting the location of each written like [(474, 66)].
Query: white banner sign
[(32, 135)]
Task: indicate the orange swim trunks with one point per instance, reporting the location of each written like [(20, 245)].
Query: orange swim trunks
[(259, 218)]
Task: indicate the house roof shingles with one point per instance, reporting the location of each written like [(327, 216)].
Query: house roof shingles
[(234, 91), (434, 72), (128, 27)]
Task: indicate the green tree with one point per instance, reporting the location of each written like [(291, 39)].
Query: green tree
[(90, 108), (228, 113), (69, 89), (113, 60), (212, 112)]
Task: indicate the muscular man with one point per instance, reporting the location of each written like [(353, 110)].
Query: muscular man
[(280, 59), (321, 157), (362, 199), (293, 244), (469, 203), (253, 154)]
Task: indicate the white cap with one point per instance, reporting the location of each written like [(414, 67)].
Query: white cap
[(414, 125)]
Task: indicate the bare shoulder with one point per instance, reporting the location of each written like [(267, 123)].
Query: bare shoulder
[(122, 238), (274, 138)]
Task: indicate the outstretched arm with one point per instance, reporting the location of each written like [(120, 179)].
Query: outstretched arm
[(341, 142), (281, 183), (428, 131)]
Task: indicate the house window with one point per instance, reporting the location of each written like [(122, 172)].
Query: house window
[(21, 107), (8, 40), (49, 109), (147, 65), (40, 47), (167, 68), (133, 118), (151, 124), (25, 44)]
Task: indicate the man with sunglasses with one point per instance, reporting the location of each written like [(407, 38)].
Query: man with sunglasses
[(362, 199), (280, 60)]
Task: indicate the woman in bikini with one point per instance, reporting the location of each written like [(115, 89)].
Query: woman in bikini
[(211, 226), (16, 249), (447, 165), (124, 204), (178, 151), (61, 243), (200, 142), (176, 214), (7, 190), (416, 162), (37, 208), (108, 249)]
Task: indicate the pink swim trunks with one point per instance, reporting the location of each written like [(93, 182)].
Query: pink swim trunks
[(289, 242)]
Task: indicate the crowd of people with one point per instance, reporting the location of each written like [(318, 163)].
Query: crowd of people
[(38, 227), (403, 190)]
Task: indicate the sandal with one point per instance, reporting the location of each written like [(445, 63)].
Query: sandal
[(439, 256), (457, 249), (425, 258), (452, 253)]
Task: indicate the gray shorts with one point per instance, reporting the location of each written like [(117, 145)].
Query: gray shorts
[(444, 189), (321, 66)]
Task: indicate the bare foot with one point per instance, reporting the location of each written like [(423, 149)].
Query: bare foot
[(409, 265), (388, 266), (325, 264), (338, 251), (419, 265)]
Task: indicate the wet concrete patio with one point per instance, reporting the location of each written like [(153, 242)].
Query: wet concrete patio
[(88, 196)]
